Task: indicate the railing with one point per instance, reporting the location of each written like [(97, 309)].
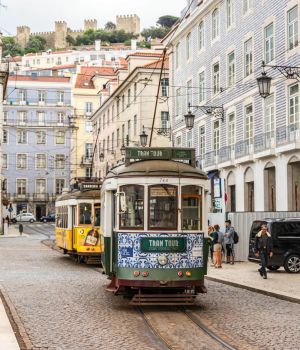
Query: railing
[(35, 102), (210, 158), (40, 196), (242, 148), (86, 160), (263, 141), (225, 154), (21, 196), (287, 134)]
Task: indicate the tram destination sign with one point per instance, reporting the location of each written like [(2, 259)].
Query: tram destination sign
[(153, 153), (163, 245)]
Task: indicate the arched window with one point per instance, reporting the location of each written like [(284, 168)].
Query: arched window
[(215, 24)]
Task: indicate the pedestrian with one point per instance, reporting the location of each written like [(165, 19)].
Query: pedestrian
[(20, 229), (229, 242), (211, 246), (218, 247), (7, 219), (263, 249)]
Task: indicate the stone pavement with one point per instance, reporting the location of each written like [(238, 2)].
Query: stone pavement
[(13, 231), (8, 340), (279, 284)]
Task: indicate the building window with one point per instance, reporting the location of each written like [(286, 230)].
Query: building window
[(178, 101), (113, 141), (269, 43), (294, 105), (5, 116), (201, 35), (4, 161), (129, 129), (88, 172), (21, 186), (123, 103), (178, 141), (188, 46), (292, 17), (59, 186), (216, 136), (189, 93), (5, 136), (21, 161), (201, 87), (60, 137), (231, 68), (177, 55), (248, 57), (135, 91), (42, 95), (269, 116), (118, 108), (103, 121), (249, 123), (60, 97), (60, 118), (164, 120), (118, 137), (135, 125), (41, 118), (215, 24), (60, 161), (104, 147), (216, 77), (41, 137), (129, 97), (189, 139), (230, 13), (247, 5), (21, 137), (40, 186), (22, 118), (231, 130), (123, 134), (202, 141), (113, 113), (89, 150), (89, 107), (22, 95), (89, 126), (41, 161), (165, 87)]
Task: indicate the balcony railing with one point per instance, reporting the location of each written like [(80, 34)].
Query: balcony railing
[(242, 148), (40, 197), (210, 158), (287, 134), (21, 196), (225, 154), (263, 141)]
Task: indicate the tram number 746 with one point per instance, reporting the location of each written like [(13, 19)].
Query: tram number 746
[(164, 180)]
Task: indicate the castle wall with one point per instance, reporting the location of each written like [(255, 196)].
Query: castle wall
[(129, 23)]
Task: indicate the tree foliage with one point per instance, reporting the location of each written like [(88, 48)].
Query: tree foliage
[(110, 26), (155, 32), (10, 47), (35, 44), (70, 40), (114, 36), (167, 21)]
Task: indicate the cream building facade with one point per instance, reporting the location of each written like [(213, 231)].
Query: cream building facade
[(129, 109)]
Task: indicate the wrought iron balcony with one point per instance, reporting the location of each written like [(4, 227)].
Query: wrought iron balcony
[(242, 149), (225, 154), (263, 141), (21, 196), (210, 158), (40, 197), (287, 134)]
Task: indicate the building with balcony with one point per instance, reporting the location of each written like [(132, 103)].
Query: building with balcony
[(36, 142), (251, 151), (127, 108)]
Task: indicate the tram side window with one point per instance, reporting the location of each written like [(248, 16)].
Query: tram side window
[(163, 207), (191, 205), (85, 213), (133, 218), (97, 216)]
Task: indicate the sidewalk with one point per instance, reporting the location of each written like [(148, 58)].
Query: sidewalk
[(8, 339), (13, 231), (279, 284)]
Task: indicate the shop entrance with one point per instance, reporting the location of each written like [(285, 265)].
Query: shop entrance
[(40, 210)]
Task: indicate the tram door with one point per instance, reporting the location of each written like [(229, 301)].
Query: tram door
[(74, 223), (114, 225)]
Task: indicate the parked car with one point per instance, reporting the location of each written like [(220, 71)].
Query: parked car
[(48, 218), (286, 243), (26, 217)]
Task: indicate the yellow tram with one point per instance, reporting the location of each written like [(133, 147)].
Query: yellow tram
[(78, 222)]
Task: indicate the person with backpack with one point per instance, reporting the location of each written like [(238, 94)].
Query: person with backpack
[(229, 237), (217, 239)]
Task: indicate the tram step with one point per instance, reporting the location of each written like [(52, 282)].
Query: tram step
[(163, 299), (93, 260)]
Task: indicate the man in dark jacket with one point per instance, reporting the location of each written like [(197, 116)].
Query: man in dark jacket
[(263, 249)]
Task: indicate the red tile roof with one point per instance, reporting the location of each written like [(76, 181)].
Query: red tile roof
[(145, 54), (66, 66), (41, 79), (84, 77), (157, 64)]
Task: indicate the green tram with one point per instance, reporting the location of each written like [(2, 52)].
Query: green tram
[(153, 220)]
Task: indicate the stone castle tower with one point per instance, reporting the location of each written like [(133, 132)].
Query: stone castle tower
[(90, 24), (129, 23), (60, 34)]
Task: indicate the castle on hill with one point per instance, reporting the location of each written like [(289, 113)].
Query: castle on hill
[(58, 38)]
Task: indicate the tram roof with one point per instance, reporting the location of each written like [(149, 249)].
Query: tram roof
[(156, 168), (77, 194)]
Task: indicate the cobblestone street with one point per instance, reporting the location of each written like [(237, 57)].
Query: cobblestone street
[(64, 306)]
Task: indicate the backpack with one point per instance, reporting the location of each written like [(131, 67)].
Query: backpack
[(235, 237)]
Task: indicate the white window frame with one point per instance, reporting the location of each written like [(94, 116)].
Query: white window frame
[(189, 93), (60, 161), (41, 189), (188, 48), (292, 29), (164, 119), (5, 139), (202, 140), (216, 78), (60, 137), (216, 136), (20, 140), (249, 123), (202, 94), (293, 106), (4, 161), (269, 44), (178, 102), (230, 13), (201, 36), (231, 129), (21, 161), (23, 188), (215, 24), (41, 163), (41, 132), (41, 118), (231, 69), (248, 57), (269, 115)]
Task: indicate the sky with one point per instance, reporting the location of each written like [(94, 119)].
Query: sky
[(40, 15)]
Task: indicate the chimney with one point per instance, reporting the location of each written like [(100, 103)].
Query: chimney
[(133, 44), (98, 45)]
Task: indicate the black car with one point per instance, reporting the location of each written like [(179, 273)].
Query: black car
[(48, 218), (286, 243)]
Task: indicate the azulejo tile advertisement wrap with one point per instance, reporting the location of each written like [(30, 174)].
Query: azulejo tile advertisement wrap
[(142, 250)]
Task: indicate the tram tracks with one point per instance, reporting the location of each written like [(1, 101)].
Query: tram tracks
[(179, 329)]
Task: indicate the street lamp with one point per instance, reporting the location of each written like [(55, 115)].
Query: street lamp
[(216, 111), (264, 85), (189, 120), (101, 157), (143, 138), (123, 150)]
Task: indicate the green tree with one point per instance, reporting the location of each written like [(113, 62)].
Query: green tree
[(110, 26), (167, 21), (70, 40), (35, 44), (10, 47), (155, 32)]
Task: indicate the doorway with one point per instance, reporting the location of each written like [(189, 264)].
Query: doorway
[(40, 210)]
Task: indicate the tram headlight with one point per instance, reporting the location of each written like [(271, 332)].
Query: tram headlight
[(81, 232), (188, 274), (162, 260)]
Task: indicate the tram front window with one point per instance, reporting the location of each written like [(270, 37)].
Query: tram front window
[(163, 207), (97, 216), (133, 218), (191, 205), (85, 212)]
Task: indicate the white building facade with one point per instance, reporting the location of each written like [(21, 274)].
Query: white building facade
[(252, 154)]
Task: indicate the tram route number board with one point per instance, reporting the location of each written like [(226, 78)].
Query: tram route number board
[(159, 153), (163, 245)]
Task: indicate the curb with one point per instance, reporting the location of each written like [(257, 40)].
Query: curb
[(255, 290), (15, 321)]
